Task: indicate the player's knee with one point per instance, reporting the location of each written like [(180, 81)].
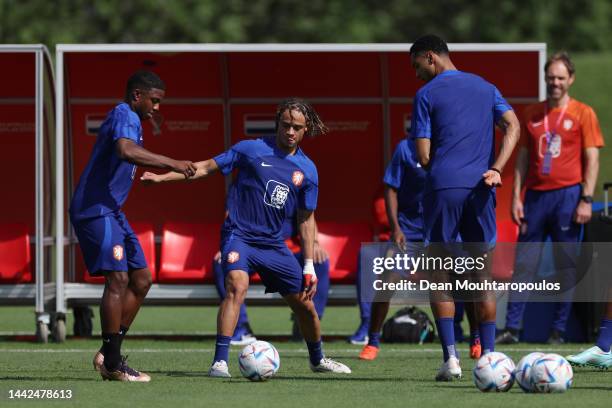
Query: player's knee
[(117, 282), (141, 284), (237, 290)]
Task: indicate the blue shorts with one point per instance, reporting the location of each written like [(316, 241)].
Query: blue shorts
[(109, 244), (278, 268), (460, 215), (551, 214)]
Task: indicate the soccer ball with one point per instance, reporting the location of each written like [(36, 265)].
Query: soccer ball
[(522, 374), (551, 373), (259, 361), (494, 372)]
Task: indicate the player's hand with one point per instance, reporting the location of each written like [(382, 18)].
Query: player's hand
[(320, 254), (217, 257), (518, 215), (492, 178), (399, 239), (185, 167), (150, 178), (583, 213), (310, 280)]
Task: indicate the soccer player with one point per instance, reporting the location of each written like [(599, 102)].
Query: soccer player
[(557, 162), (453, 121), (404, 181), (108, 244), (274, 177), (243, 333)]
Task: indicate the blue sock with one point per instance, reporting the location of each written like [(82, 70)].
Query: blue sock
[(222, 348), (605, 335), (374, 339), (315, 352), (487, 336), (446, 331)]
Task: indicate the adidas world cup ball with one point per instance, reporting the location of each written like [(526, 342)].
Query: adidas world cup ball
[(522, 373), (551, 373), (494, 372), (258, 361)]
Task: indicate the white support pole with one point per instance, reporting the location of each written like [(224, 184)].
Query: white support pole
[(59, 182), (541, 82), (39, 182)]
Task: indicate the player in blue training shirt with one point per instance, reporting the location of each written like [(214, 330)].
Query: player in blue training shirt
[(243, 333), (453, 121), (108, 244), (275, 176), (404, 182)]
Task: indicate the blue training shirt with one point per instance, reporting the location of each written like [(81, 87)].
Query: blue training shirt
[(270, 185), (405, 174), (458, 112), (107, 179)]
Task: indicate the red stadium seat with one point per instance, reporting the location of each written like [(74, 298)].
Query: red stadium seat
[(15, 254), (503, 256), (187, 252), (343, 241), (382, 230), (146, 236)]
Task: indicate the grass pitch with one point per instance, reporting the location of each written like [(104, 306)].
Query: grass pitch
[(402, 376)]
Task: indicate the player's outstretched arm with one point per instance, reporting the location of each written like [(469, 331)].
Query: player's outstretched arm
[(510, 126), (133, 153), (203, 169)]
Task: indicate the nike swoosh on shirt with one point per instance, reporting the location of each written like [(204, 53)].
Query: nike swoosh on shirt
[(264, 164)]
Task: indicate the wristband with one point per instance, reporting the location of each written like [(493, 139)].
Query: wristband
[(496, 170), (309, 269)]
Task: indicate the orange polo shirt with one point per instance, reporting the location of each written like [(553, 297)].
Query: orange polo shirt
[(575, 131)]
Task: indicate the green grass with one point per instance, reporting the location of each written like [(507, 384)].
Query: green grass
[(593, 86), (402, 376)]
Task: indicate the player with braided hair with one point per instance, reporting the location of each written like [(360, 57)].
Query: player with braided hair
[(275, 176)]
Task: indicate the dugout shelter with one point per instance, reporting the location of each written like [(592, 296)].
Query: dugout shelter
[(218, 94), (26, 161)]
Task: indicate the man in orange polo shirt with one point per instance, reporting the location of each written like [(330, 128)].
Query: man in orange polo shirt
[(557, 163)]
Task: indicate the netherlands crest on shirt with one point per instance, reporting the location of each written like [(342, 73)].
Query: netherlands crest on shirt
[(567, 124), (233, 257), (118, 252), (297, 178)]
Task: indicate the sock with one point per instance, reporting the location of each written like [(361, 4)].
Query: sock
[(374, 339), (315, 352), (222, 348), (111, 348), (487, 336), (446, 331), (605, 335), (122, 331), (474, 337)]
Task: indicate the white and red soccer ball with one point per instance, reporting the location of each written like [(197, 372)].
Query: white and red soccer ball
[(259, 361)]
